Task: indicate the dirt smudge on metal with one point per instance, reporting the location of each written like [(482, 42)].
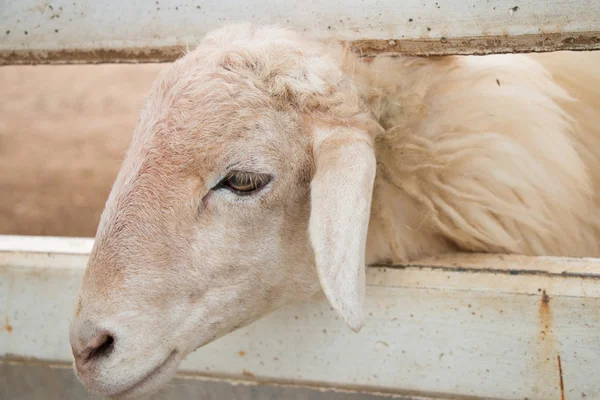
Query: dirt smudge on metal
[(480, 45), (247, 373)]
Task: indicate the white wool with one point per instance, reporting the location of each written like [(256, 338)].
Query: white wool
[(489, 155)]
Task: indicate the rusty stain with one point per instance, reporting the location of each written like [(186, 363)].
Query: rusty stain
[(545, 315), (562, 384), (547, 347), (247, 373), (545, 297), (241, 353), (7, 325)]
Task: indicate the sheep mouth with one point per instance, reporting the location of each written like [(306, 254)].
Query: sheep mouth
[(143, 384)]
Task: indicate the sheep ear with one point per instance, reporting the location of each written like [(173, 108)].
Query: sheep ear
[(341, 192)]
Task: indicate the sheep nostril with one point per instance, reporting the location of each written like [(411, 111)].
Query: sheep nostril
[(100, 346)]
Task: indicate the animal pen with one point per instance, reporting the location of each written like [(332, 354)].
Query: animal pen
[(465, 326)]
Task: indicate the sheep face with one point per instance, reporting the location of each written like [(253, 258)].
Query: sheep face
[(248, 183)]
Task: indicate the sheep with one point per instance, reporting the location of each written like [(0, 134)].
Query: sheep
[(267, 166)]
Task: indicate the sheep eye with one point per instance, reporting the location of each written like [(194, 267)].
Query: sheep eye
[(244, 183)]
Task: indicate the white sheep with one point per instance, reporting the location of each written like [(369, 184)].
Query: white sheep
[(249, 182)]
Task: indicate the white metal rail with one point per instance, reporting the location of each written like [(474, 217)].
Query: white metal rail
[(70, 31), (487, 326)]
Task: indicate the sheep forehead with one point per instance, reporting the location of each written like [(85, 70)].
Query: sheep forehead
[(287, 69), (235, 74)]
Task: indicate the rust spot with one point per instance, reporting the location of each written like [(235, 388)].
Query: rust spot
[(562, 384), (545, 315), (545, 297), (547, 349), (247, 373), (241, 353), (7, 325)]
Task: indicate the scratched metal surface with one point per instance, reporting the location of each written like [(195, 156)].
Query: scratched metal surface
[(459, 326), (38, 31)]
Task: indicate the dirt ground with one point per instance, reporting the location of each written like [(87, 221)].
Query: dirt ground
[(63, 134)]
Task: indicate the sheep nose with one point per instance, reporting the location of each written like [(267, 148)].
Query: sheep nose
[(88, 352)]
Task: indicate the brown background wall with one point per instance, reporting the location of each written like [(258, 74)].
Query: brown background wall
[(63, 133)]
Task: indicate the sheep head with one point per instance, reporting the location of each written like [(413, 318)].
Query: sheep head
[(247, 185)]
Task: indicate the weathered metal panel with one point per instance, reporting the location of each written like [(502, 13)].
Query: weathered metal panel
[(26, 381), (487, 326), (59, 31)]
